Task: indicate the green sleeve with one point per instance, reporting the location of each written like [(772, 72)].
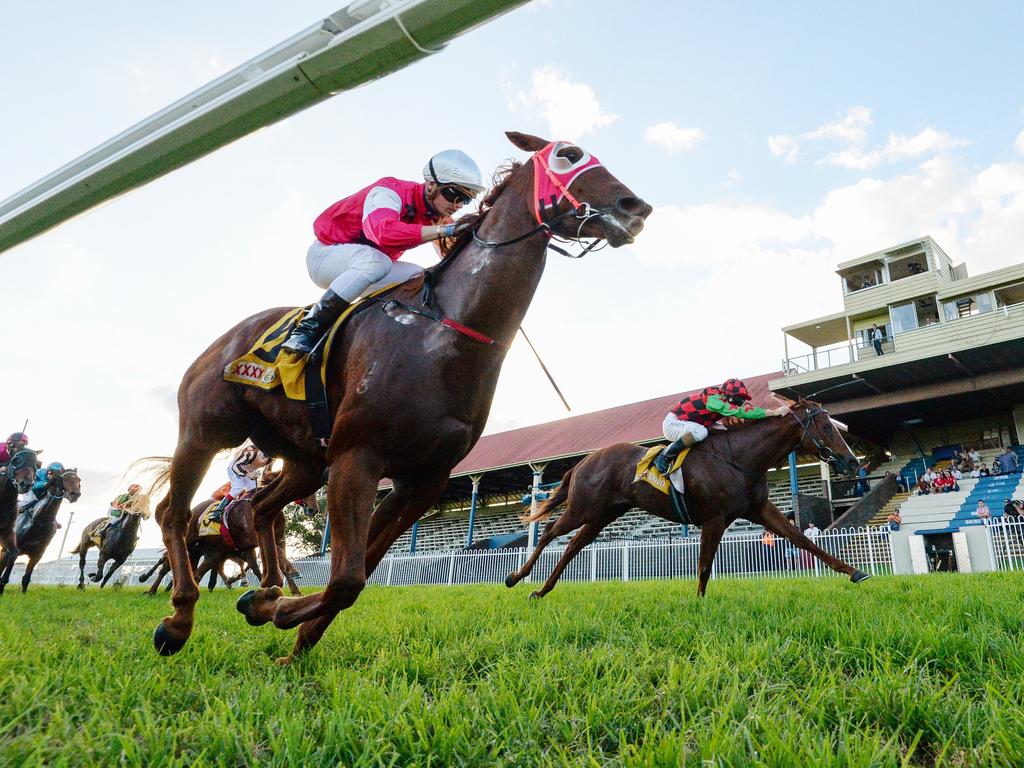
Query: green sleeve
[(746, 411)]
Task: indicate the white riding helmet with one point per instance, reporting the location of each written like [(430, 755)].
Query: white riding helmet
[(453, 166)]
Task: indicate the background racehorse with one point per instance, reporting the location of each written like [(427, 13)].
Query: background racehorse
[(16, 477), (36, 526), (379, 369), (117, 541), (209, 553), (725, 479)]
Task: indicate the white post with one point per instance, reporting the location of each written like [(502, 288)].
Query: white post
[(391, 567), (625, 562), (538, 472), (593, 564), (871, 551), (451, 568)]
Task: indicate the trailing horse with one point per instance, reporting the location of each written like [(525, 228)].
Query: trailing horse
[(209, 552), (725, 478), (36, 526), (390, 354), (16, 477), (117, 541)]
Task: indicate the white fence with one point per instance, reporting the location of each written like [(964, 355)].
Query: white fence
[(1006, 539), (744, 556)]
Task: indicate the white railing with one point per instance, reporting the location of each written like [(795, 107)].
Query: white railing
[(744, 556), (1006, 543)]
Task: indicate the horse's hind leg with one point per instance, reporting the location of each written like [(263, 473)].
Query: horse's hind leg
[(82, 549), (173, 513), (583, 536), (775, 521), (6, 566), (100, 562), (710, 537), (164, 570), (570, 520)]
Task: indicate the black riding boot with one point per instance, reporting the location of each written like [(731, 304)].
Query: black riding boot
[(668, 454), (315, 324)]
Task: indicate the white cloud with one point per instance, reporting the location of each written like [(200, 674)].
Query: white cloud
[(1019, 143), (570, 109), (855, 152), (672, 138)]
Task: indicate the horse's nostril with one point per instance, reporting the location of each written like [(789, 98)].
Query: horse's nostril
[(633, 206)]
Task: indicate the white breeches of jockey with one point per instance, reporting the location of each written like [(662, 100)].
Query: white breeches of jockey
[(240, 483), (353, 269), (675, 428)]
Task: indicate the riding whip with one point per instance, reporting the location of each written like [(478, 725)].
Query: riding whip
[(545, 369)]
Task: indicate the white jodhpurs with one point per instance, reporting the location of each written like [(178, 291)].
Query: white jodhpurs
[(240, 484), (353, 269), (675, 428)]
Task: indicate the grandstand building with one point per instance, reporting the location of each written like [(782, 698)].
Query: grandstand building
[(950, 373)]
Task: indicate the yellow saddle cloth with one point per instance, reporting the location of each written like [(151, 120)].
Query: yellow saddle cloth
[(210, 524), (264, 367), (648, 473)]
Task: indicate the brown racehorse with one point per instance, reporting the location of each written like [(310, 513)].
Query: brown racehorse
[(385, 363), (725, 479), (35, 527), (117, 540), (16, 477)]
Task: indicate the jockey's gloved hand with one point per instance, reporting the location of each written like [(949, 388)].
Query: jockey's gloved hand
[(455, 228)]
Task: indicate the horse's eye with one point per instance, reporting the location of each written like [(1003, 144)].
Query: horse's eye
[(572, 154)]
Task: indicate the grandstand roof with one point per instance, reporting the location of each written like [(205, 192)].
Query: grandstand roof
[(631, 423)]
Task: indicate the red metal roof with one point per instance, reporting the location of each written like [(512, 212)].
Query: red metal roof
[(632, 423)]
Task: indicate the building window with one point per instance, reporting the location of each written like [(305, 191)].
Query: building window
[(866, 277), (967, 306), (904, 318)]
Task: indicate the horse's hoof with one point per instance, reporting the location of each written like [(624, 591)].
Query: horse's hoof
[(245, 604), (165, 644), (283, 661), (536, 595), (858, 576), (511, 580), (80, 586)]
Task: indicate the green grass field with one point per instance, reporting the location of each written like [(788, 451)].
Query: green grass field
[(897, 671)]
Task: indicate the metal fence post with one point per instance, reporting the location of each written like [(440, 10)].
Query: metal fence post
[(593, 564), (625, 562), (451, 568), (391, 567), (871, 551)]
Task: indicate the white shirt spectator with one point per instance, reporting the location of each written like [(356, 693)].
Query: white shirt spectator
[(957, 474), (811, 532), (930, 476), (975, 456), (975, 473)]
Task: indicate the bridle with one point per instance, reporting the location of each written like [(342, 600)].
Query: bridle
[(60, 478), (17, 463), (543, 212), (825, 453)]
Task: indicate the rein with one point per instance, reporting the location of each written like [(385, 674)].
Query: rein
[(824, 452)]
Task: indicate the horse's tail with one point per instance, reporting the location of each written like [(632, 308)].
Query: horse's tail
[(158, 468), (77, 549), (554, 502)]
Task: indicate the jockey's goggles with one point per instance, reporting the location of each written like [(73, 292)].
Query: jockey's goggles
[(456, 195)]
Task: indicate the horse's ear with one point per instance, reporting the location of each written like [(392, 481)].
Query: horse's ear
[(526, 142), (784, 400)]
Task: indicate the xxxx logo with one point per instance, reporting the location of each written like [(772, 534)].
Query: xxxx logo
[(246, 371)]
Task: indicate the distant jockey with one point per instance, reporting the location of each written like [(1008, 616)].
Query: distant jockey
[(16, 442), (38, 490), (125, 502), (360, 239), (243, 471), (688, 421)]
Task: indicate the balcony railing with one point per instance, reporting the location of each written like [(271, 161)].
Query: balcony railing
[(851, 352)]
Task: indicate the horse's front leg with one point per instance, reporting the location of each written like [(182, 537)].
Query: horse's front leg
[(351, 490), (772, 519), (298, 480), (82, 549), (710, 537)]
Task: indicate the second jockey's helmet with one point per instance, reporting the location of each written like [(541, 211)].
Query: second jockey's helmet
[(735, 388), (454, 167), (17, 437), (54, 466)]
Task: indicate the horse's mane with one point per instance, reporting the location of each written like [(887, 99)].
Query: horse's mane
[(451, 246)]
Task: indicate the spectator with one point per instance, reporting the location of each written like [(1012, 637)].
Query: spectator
[(1009, 509), (957, 475), (930, 475), (901, 484), (939, 483), (1007, 461), (983, 512), (868, 282), (954, 480), (894, 520), (812, 531), (923, 486), (975, 473), (862, 485), (876, 339), (983, 472), (975, 456), (995, 468)]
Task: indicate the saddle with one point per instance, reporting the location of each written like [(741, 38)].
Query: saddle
[(214, 521), (671, 484), (264, 367)]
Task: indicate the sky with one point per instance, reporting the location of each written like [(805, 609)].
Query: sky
[(773, 140)]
